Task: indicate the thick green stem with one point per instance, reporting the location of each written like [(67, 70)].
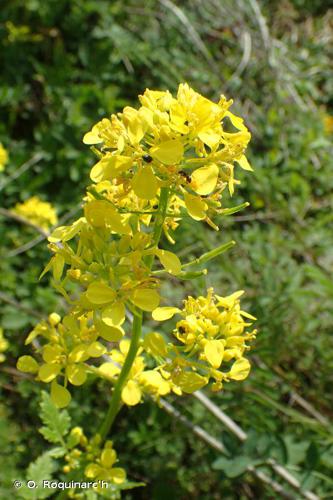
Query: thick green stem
[(115, 401), (114, 406)]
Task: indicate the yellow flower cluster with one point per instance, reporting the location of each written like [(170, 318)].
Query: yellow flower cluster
[(37, 212), (3, 346), (211, 334), (95, 459), (171, 157), (140, 380), (3, 157), (183, 143), (70, 343), (328, 124)]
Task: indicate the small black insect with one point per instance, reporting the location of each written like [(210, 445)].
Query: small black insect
[(147, 158), (181, 329), (185, 175)]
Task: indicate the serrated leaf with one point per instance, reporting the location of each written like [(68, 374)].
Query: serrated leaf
[(57, 451), (38, 471), (56, 423)]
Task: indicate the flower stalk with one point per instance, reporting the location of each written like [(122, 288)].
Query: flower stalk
[(115, 402)]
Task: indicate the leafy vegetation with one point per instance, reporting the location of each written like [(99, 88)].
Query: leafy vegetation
[(66, 64)]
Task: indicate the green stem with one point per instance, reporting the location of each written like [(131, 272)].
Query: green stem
[(159, 221), (114, 406), (115, 402)]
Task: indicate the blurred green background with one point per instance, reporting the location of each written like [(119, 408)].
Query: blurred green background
[(67, 63)]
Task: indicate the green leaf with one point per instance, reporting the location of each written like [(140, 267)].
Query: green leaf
[(233, 467), (57, 451), (14, 321), (296, 451), (38, 471), (312, 456), (56, 423)]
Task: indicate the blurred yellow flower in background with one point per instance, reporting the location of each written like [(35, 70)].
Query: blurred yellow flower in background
[(38, 212), (3, 157)]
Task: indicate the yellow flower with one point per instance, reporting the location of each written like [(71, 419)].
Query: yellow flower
[(328, 124), (139, 381), (68, 344), (179, 143), (3, 346), (3, 157), (213, 333), (38, 212), (97, 460), (173, 154), (102, 468)]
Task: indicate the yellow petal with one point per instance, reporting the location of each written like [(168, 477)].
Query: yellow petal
[(144, 183), (240, 369), (109, 370), (229, 354), (164, 313), (134, 124), (92, 137), (60, 396), (110, 166), (169, 261), (235, 341), (100, 213), (230, 300), (190, 382), (100, 293), (117, 475), (155, 344), (204, 179), (131, 393), (49, 371), (109, 333), (96, 349), (214, 350), (154, 381), (92, 470), (108, 458), (210, 138), (124, 346), (114, 315), (76, 374), (51, 352), (195, 207), (243, 162), (27, 364), (168, 152), (78, 354), (146, 299), (236, 121)]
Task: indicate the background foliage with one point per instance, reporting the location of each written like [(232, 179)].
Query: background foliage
[(66, 64)]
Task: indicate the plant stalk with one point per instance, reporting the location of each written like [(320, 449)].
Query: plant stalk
[(114, 405), (115, 402)]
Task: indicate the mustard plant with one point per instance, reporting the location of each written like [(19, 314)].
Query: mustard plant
[(174, 157)]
